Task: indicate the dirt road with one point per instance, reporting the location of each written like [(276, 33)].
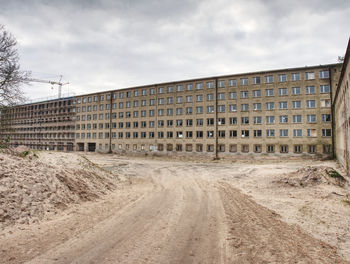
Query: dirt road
[(167, 212)]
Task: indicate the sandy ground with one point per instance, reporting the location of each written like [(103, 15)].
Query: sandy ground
[(184, 212)]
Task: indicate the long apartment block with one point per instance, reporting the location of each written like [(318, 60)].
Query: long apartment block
[(286, 111)]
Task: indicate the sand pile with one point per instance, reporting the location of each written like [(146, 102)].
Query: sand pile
[(32, 186), (311, 176)]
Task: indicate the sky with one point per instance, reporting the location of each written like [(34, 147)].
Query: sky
[(114, 44)]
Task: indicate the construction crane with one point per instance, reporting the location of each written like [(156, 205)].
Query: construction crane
[(59, 83)]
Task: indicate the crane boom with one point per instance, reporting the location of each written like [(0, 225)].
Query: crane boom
[(59, 83)]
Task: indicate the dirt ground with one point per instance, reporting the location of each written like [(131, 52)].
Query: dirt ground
[(167, 211)]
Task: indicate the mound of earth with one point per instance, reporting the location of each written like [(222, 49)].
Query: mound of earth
[(311, 176), (31, 186)]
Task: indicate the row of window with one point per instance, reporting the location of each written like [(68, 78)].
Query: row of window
[(200, 85), (297, 119), (209, 134), (200, 98), (233, 148)]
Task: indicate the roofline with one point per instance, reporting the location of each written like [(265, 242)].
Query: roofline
[(345, 63), (214, 77)]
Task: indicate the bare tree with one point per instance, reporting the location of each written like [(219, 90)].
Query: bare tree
[(10, 74), (341, 59)]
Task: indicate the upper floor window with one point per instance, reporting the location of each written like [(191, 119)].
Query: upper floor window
[(170, 89), (179, 88), (309, 75), (244, 81), (310, 89), (153, 91), (296, 76), (232, 83), (282, 77), (189, 87), (210, 85), (324, 74), (244, 94), (221, 84), (269, 79), (199, 86), (282, 91), (161, 90), (296, 90), (144, 92), (256, 80), (324, 88), (269, 92), (257, 93)]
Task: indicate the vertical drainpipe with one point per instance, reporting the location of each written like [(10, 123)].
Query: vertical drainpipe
[(332, 112), (216, 120), (110, 123)]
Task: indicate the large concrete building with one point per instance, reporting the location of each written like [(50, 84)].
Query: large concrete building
[(341, 109), (284, 112)]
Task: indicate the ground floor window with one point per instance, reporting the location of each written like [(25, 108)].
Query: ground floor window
[(178, 147), (199, 147), (257, 148), (233, 148), (327, 149), (210, 148), (160, 147), (245, 148), (312, 148), (221, 148), (284, 148), (298, 148), (270, 148), (169, 147), (188, 147)]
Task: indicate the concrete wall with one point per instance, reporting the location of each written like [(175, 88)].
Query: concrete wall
[(341, 108)]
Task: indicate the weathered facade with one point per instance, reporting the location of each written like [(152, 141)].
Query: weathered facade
[(284, 111), (341, 109)]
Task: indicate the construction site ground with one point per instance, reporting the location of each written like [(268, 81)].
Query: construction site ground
[(159, 210)]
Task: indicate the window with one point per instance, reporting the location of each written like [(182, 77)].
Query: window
[(189, 110), (232, 83), (199, 109), (233, 108), (169, 134), (326, 132), (210, 134), (179, 88), (152, 102), (189, 99), (199, 86), (210, 97), (189, 134), (160, 101), (311, 133), (144, 92), (282, 91), (297, 133), (188, 147), (283, 119), (326, 103), (296, 90), (233, 133), (244, 94), (311, 118), (269, 79), (178, 147), (326, 118), (245, 133), (136, 92), (324, 74), (179, 99), (178, 111), (152, 91), (296, 104), (160, 112), (245, 120), (233, 120), (327, 149), (295, 76), (270, 148), (170, 89), (199, 122), (324, 89), (210, 85), (257, 93), (179, 134), (244, 107), (256, 80), (297, 119), (221, 96), (270, 119), (269, 92), (189, 87), (179, 122), (283, 132), (310, 89), (309, 75), (221, 121), (282, 77), (283, 105), (210, 109), (257, 148), (310, 103), (233, 148), (298, 148), (311, 148), (170, 100), (169, 123), (221, 133), (221, 84), (284, 148), (199, 134), (257, 106), (170, 112), (257, 133), (244, 81), (199, 97), (257, 119), (210, 148), (245, 148), (210, 121), (270, 105), (270, 132)]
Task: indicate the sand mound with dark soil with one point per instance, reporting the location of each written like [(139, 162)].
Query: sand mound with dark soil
[(30, 187), (311, 176)]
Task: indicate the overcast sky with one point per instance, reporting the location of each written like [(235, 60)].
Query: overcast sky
[(113, 44)]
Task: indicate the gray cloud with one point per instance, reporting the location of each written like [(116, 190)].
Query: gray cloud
[(99, 45)]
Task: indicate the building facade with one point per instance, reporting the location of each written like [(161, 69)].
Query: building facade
[(285, 112), (341, 109)]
